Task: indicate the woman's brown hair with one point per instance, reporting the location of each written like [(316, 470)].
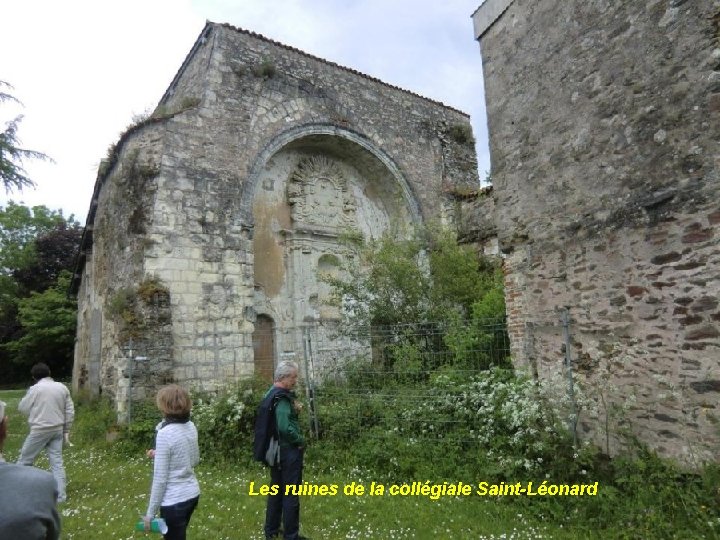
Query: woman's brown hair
[(173, 400)]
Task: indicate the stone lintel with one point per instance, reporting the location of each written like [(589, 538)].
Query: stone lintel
[(487, 14)]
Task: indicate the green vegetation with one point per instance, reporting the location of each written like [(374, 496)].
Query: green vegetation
[(127, 305), (638, 497), (431, 402), (430, 302), (12, 174), (462, 134), (265, 69), (428, 278), (38, 247), (47, 320)]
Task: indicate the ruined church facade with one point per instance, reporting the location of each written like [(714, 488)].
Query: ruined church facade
[(212, 220), (604, 122)]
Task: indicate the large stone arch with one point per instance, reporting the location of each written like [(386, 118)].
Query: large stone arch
[(299, 133), (309, 189)]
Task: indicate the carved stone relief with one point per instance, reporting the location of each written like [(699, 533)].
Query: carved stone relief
[(318, 194)]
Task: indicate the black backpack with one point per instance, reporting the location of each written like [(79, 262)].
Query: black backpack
[(266, 447)]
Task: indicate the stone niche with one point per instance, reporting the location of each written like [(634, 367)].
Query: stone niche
[(313, 197)]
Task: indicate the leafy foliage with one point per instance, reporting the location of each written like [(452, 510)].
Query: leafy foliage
[(494, 426), (47, 321), (36, 246), (224, 420), (497, 424), (386, 288), (54, 253), (20, 226), (422, 279), (417, 295), (12, 174)]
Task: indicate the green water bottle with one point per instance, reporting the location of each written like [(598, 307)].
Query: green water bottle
[(157, 525)]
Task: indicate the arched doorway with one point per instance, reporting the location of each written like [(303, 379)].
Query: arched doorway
[(264, 347)]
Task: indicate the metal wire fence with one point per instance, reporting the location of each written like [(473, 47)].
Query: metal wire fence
[(373, 376)]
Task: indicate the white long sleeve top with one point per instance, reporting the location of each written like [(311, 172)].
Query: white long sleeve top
[(176, 453), (48, 406)]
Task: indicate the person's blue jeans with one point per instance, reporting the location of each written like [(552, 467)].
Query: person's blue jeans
[(177, 517), (285, 507), (52, 441)]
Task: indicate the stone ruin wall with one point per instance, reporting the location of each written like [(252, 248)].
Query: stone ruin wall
[(476, 222), (604, 122), (208, 201), (109, 310)]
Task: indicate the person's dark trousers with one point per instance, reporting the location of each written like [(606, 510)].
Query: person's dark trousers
[(177, 517), (284, 506)]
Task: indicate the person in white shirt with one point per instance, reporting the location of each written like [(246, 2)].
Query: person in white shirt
[(50, 413), (175, 490)]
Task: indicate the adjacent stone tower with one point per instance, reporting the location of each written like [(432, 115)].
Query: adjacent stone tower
[(211, 220), (604, 121)]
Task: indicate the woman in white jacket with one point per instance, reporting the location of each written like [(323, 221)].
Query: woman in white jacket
[(175, 490)]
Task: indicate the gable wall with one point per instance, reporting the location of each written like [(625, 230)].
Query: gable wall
[(223, 121)]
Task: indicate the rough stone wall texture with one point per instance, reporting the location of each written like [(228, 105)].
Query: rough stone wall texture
[(235, 195), (476, 221), (604, 121)]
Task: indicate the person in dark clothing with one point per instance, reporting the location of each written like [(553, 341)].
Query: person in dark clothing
[(282, 506)]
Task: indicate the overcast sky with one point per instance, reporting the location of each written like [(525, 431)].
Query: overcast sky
[(83, 69)]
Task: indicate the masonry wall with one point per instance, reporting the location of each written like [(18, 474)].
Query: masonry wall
[(604, 122), (241, 115)]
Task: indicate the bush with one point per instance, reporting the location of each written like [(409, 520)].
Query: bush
[(94, 418), (265, 69), (462, 134), (226, 421), (491, 425), (139, 434)]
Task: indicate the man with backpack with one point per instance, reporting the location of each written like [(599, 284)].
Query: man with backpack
[(278, 418)]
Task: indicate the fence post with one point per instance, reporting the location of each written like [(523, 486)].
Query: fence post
[(131, 354), (572, 423), (310, 385)]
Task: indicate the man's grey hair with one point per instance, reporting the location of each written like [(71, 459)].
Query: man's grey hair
[(285, 369)]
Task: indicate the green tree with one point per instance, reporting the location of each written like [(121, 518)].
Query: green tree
[(388, 287), (418, 280), (481, 341), (55, 251), (437, 302), (12, 173), (48, 321), (36, 246), (20, 226), (459, 276)]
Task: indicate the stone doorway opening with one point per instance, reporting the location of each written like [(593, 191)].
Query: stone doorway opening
[(263, 339)]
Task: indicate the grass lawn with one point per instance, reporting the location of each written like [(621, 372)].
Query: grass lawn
[(108, 491)]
